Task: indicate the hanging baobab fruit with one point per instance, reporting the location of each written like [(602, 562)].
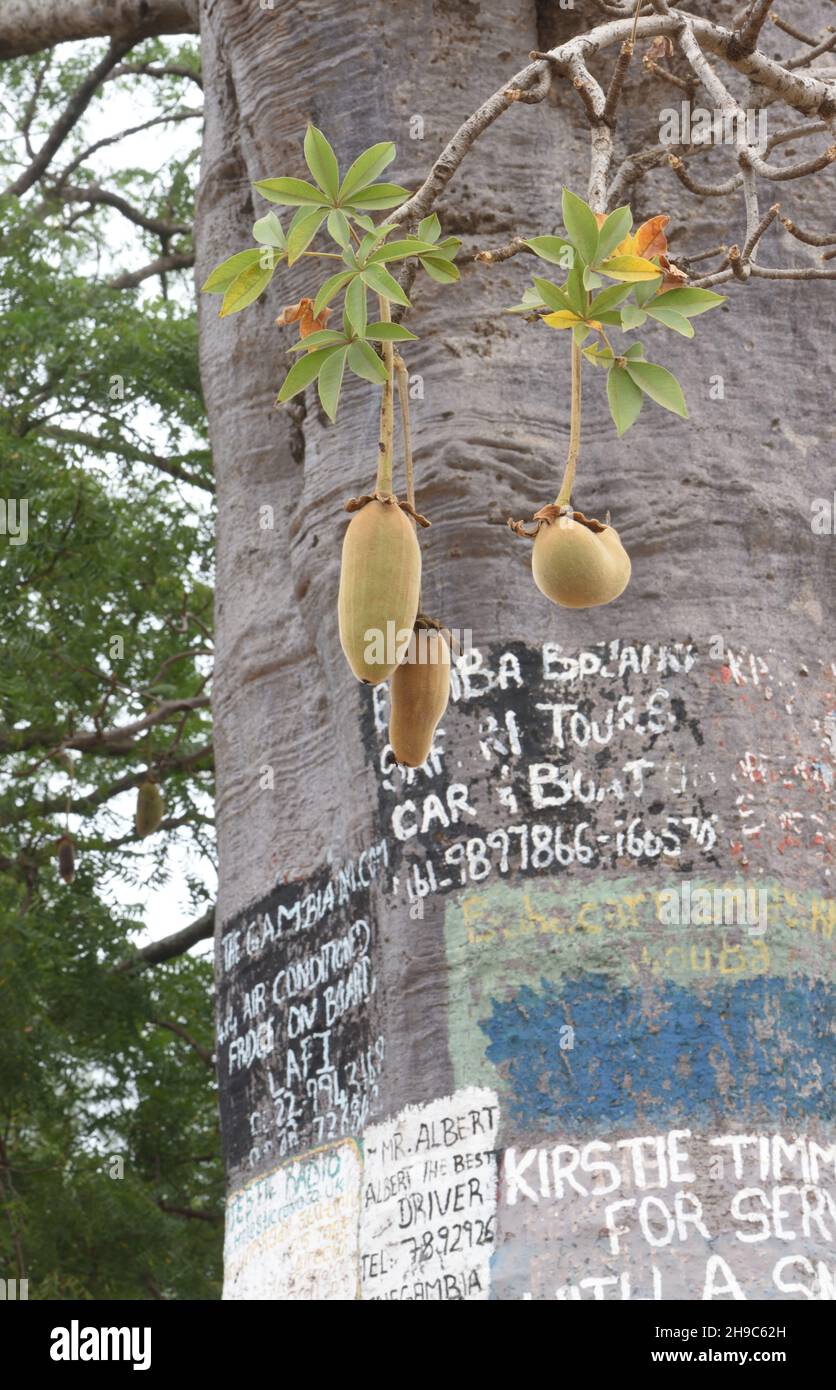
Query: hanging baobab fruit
[(578, 562), (418, 694), (65, 851), (380, 577), (149, 808)]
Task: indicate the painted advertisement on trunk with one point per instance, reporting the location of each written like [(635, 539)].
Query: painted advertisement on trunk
[(616, 966)]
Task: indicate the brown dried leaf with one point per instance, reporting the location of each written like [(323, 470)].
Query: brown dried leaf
[(661, 47), (650, 239), (303, 314)]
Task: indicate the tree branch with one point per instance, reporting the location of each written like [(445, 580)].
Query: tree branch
[(156, 70), (167, 119), (198, 761), (189, 1212), (171, 946), (745, 38), (27, 26), (175, 260), (179, 1031), (93, 193), (128, 451), (71, 114)]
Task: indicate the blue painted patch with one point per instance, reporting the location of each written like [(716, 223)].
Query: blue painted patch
[(749, 1049)]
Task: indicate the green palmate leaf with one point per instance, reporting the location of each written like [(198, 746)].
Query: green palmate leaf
[(367, 245), (388, 333), (362, 221), (290, 193), (660, 385), (331, 286), (378, 279), (330, 381), (690, 301), (301, 235), (246, 288), (629, 268), (644, 291), (599, 356), (612, 316), (378, 195), (448, 247), (303, 372), (354, 308), (575, 291), (671, 319), (632, 317), (443, 271), (429, 228), (399, 250), (339, 229), (625, 398), (609, 299), (553, 249), (613, 231), (364, 362), (635, 351), (579, 221), (323, 337), (377, 232), (322, 162), (269, 231), (580, 333), (366, 168), (552, 295), (224, 274), (591, 281)]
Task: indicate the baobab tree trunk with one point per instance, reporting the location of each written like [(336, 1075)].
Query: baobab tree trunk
[(486, 1029)]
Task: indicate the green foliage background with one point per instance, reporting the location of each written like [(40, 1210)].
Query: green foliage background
[(110, 1175)]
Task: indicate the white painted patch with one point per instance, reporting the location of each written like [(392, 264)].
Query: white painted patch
[(428, 1209), (292, 1233)]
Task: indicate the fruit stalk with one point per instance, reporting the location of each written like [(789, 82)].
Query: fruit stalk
[(383, 485), (403, 398), (564, 496)]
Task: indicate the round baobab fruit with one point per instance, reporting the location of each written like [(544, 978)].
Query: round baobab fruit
[(578, 562)]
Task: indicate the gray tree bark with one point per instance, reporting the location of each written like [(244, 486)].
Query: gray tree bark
[(453, 1041)]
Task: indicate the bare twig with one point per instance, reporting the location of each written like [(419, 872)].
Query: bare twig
[(810, 238), (745, 38)]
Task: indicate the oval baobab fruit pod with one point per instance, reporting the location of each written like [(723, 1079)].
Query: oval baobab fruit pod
[(65, 849), (149, 809), (578, 562), (418, 695), (380, 579)]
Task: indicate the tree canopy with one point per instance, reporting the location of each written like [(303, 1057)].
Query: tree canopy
[(109, 1158)]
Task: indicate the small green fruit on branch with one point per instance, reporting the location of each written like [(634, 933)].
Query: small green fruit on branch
[(361, 253), (578, 562)]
